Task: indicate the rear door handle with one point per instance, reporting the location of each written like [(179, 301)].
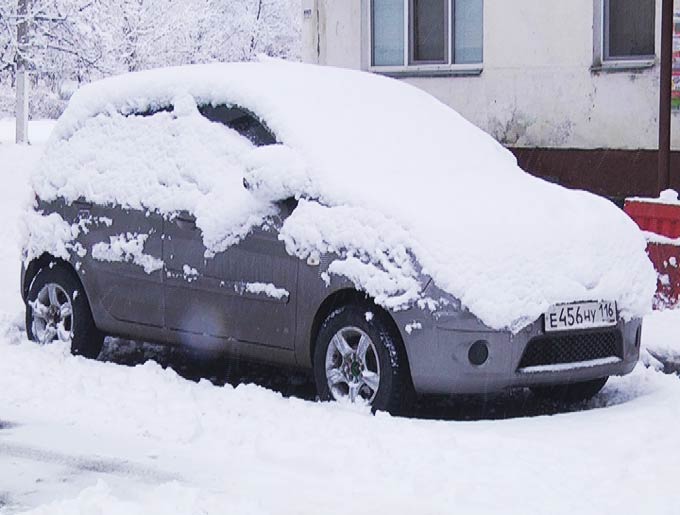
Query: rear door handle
[(83, 207)]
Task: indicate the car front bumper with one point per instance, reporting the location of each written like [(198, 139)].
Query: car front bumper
[(439, 356)]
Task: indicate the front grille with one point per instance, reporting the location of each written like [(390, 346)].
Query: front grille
[(571, 348)]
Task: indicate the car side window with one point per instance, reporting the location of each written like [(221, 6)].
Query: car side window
[(151, 111), (242, 121)]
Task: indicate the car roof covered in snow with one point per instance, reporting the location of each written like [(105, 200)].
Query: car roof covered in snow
[(323, 111)]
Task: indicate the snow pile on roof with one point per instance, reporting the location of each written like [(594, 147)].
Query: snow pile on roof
[(395, 181)]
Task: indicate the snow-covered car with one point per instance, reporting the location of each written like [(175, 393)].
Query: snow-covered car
[(333, 220)]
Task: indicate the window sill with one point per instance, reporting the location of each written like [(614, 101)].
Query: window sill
[(430, 70), (631, 65)]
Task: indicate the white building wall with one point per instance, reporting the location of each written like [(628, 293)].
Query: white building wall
[(536, 89)]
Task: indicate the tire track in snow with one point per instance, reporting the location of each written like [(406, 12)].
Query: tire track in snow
[(86, 464), (6, 425)]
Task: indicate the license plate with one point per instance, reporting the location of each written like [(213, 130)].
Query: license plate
[(580, 315)]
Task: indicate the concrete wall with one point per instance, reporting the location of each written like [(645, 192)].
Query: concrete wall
[(537, 87)]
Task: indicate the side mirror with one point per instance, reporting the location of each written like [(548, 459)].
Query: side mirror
[(287, 206)]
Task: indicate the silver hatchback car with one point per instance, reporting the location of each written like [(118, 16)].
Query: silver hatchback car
[(257, 301)]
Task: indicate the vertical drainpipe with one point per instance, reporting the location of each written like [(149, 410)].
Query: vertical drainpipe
[(664, 155), (318, 31), (321, 42), (22, 79)]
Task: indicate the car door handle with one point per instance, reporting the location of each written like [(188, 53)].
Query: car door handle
[(83, 207), (186, 223)]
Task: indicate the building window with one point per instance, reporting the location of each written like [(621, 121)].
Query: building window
[(628, 29), (426, 32), (388, 32)]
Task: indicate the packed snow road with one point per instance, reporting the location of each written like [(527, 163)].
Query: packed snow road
[(79, 436)]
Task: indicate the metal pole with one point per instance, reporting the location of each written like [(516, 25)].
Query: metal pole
[(664, 158), (22, 81)]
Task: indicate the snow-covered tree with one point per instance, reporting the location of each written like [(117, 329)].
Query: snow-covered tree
[(75, 41), (52, 27), (44, 36), (239, 30)]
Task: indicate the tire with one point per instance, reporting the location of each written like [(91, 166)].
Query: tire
[(52, 292), (569, 393), (382, 379)]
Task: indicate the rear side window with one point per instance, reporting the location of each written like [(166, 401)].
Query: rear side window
[(150, 111), (242, 121)]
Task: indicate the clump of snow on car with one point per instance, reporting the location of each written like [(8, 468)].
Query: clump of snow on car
[(189, 271), (369, 316), (268, 289), (167, 162), (395, 184), (127, 248), (79, 249), (276, 172), (412, 326), (51, 234), (372, 248)]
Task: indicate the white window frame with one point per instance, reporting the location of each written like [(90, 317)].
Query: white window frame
[(420, 69), (600, 60)]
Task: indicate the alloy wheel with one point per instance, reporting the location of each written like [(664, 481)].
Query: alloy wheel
[(352, 366), (52, 315)]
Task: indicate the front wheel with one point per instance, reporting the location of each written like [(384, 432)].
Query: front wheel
[(574, 392), (57, 310), (359, 359)]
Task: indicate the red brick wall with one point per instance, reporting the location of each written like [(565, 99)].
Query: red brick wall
[(612, 173)]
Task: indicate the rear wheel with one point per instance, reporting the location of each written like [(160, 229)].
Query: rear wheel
[(58, 310), (359, 359), (573, 392)]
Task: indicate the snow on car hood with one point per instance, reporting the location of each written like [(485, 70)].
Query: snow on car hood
[(392, 180)]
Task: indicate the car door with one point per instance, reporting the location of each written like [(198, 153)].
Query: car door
[(245, 293), (121, 259)]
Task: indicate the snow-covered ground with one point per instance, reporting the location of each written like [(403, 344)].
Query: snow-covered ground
[(79, 436)]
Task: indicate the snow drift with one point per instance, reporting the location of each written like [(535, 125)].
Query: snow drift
[(396, 183)]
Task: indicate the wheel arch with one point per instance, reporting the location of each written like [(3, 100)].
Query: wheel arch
[(44, 261), (344, 297)]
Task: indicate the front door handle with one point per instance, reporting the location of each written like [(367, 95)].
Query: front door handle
[(187, 223)]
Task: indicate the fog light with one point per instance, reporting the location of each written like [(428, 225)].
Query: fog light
[(479, 352)]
